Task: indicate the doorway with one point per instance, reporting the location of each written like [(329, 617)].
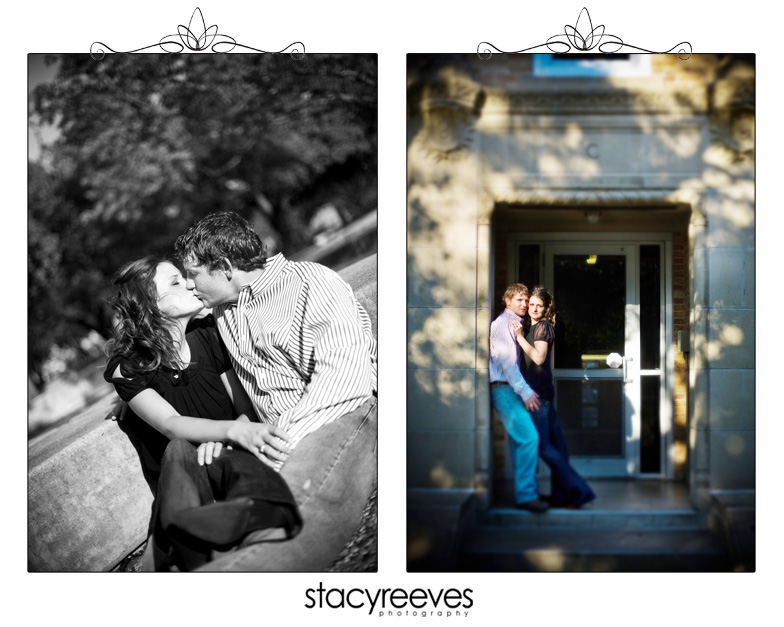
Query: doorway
[(612, 357)]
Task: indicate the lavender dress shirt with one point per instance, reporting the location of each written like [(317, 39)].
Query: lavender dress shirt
[(504, 355)]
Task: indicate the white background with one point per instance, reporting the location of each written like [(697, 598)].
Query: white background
[(392, 30)]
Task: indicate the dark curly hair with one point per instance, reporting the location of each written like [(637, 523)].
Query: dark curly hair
[(142, 331), (222, 235), (542, 293)]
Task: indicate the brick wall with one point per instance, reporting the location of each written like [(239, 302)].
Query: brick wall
[(680, 322)]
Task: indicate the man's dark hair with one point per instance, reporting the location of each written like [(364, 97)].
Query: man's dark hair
[(219, 236)]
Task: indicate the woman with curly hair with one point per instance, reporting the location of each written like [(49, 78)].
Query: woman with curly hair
[(569, 489), (167, 361)]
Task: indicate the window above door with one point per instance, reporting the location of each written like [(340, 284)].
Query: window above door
[(592, 65)]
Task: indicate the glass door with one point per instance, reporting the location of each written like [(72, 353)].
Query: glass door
[(596, 354)]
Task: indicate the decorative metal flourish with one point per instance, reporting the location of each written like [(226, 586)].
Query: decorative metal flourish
[(198, 38), (583, 37)]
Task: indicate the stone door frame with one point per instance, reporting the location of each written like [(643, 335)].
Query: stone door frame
[(692, 199)]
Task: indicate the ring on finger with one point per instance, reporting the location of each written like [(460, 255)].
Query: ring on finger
[(261, 449)]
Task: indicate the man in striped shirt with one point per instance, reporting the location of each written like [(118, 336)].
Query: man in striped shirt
[(304, 350), (513, 398)]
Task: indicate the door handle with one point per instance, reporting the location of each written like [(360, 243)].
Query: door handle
[(626, 361)]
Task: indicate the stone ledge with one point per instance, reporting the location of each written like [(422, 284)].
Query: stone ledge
[(88, 504)]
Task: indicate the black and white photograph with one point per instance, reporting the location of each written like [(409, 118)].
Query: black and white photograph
[(202, 362)]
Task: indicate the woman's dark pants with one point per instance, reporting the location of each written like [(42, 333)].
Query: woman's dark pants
[(568, 487)]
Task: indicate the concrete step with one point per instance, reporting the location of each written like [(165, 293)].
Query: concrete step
[(513, 549), (594, 518)]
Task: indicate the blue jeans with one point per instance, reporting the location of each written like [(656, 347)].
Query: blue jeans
[(331, 474), (523, 439), (568, 487)]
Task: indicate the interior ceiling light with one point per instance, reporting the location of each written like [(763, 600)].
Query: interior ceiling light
[(592, 217), (591, 260)]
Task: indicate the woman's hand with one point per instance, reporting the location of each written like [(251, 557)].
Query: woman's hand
[(120, 411), (208, 451), (517, 329), (537, 352), (267, 442)]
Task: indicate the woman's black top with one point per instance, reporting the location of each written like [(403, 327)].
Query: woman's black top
[(196, 391), (540, 378)]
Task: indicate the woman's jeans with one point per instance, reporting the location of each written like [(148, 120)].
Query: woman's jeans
[(185, 488), (523, 439), (568, 487)]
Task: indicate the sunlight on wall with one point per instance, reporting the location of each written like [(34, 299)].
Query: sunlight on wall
[(442, 277), (739, 212), (679, 454), (424, 379), (734, 445), (732, 335), (453, 385), (554, 165), (426, 171), (729, 335), (418, 548), (441, 216), (440, 477), (565, 151), (552, 561), (445, 340), (682, 142)]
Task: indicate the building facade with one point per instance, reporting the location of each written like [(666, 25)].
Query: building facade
[(625, 184)]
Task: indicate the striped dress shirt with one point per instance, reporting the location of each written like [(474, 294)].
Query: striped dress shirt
[(505, 355), (301, 344)]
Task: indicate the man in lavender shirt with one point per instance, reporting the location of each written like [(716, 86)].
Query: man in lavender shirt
[(513, 398)]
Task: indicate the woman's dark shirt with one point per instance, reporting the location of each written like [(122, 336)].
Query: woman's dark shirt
[(540, 378), (196, 391)]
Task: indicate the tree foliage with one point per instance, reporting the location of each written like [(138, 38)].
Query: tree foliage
[(150, 143)]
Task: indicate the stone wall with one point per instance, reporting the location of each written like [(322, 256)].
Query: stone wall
[(722, 406)]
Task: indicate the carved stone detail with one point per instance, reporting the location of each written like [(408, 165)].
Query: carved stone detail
[(567, 198), (449, 107), (616, 101)]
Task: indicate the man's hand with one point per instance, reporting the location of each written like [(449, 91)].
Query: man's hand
[(267, 442), (211, 450), (208, 451), (532, 404)]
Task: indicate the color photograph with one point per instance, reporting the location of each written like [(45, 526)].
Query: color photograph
[(581, 263)]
